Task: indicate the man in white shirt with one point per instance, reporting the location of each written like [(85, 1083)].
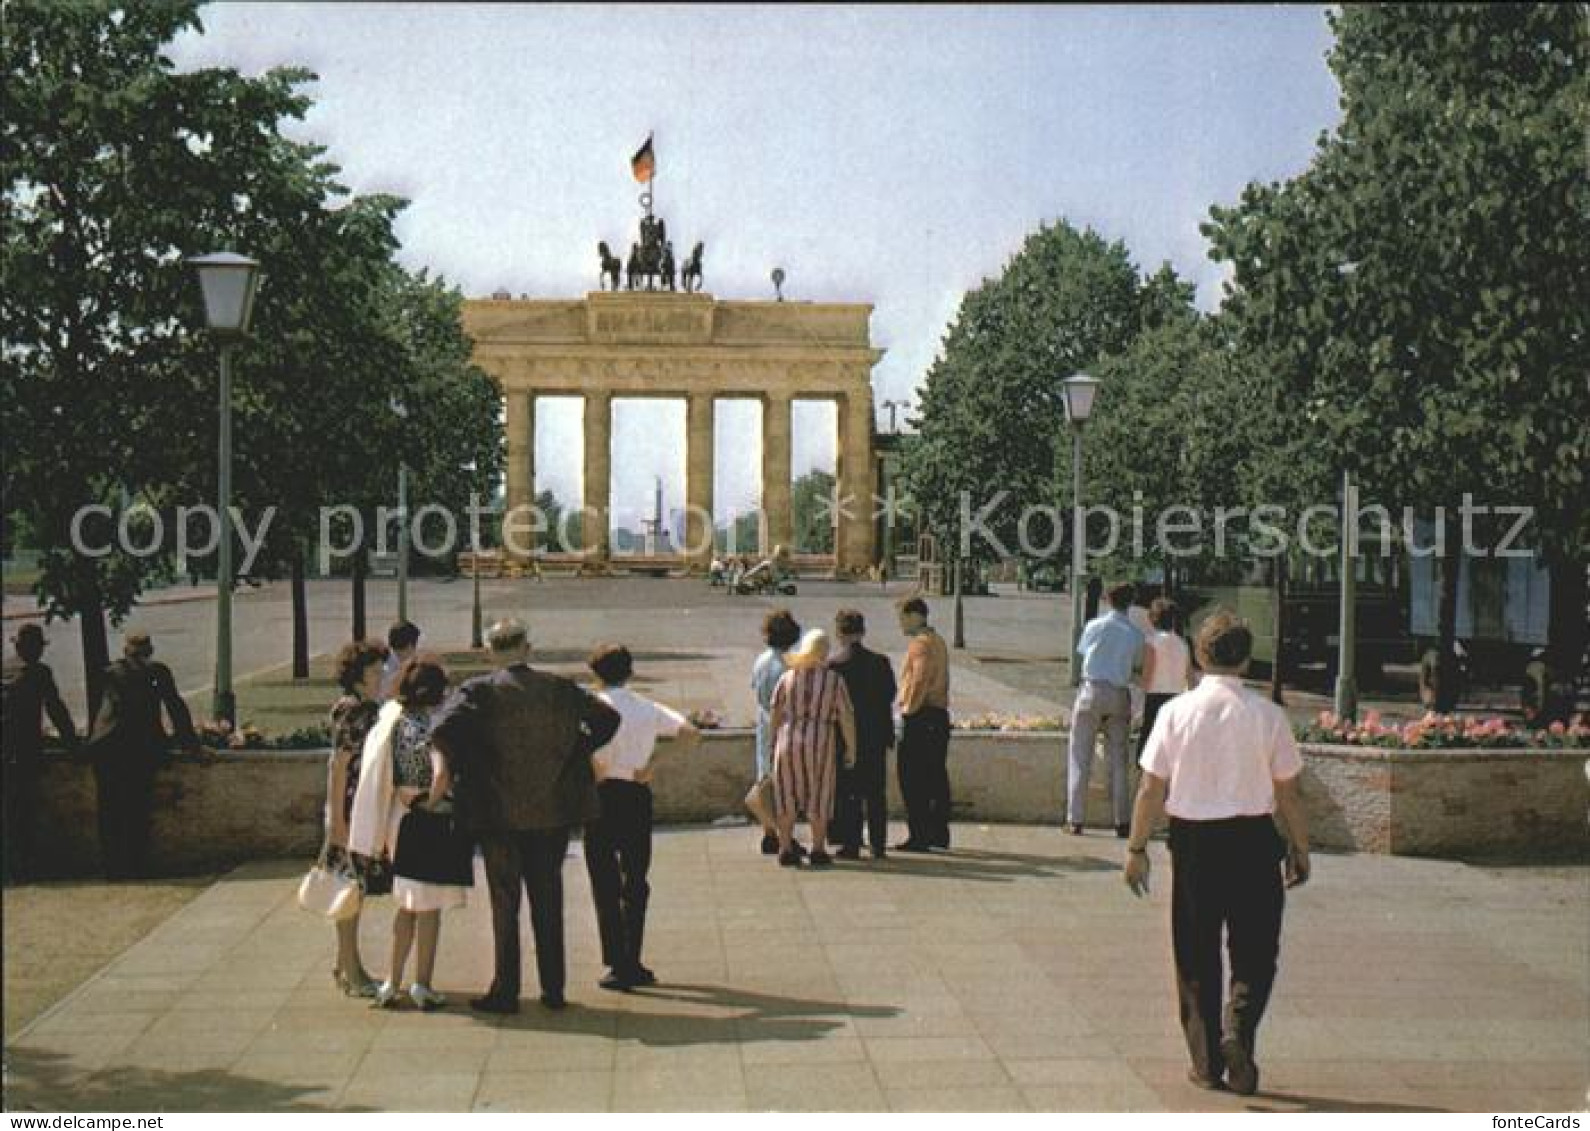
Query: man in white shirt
[(618, 843), (1222, 764)]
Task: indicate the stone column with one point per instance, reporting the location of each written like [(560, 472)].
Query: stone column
[(698, 480), (777, 528), (521, 475), (598, 474), (855, 551)]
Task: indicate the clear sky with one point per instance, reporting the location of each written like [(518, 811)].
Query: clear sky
[(891, 155)]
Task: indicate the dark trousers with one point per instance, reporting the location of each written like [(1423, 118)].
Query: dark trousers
[(1227, 877), (126, 788), (925, 777), (20, 790), (1152, 702), (617, 858), (531, 860), (864, 795)]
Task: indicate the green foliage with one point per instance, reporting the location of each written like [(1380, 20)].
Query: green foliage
[(1423, 286), (812, 512), (992, 410), (116, 168)]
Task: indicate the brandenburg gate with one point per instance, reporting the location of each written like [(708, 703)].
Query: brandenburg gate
[(696, 348)]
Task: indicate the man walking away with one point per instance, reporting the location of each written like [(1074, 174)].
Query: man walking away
[(924, 700), (1110, 651), (128, 745), (519, 744), (869, 678), (1222, 763), (29, 695)]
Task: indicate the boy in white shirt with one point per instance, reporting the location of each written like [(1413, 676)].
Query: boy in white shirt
[(618, 843)]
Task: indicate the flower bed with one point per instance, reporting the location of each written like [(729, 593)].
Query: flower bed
[(1442, 732)]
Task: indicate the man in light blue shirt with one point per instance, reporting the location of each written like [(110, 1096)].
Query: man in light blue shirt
[(1111, 652)]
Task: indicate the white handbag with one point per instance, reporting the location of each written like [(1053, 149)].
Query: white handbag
[(330, 891)]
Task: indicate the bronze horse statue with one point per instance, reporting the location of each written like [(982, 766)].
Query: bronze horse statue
[(612, 269), (690, 275)]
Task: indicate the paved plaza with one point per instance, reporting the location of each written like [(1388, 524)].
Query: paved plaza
[(1016, 973)]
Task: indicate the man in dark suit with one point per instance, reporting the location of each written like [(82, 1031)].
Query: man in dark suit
[(128, 746), (869, 678), (29, 694), (519, 744)]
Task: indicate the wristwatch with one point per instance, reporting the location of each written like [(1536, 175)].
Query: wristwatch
[(1138, 851)]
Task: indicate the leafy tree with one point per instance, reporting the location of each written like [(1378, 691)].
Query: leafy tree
[(812, 512), (1423, 286), (117, 168), (745, 532), (991, 412)]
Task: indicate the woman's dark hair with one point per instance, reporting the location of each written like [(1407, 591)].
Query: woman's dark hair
[(354, 658), (781, 630), (1224, 641), (1162, 614), (422, 682), (612, 664)]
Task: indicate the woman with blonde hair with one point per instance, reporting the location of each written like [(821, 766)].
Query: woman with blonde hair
[(811, 709)]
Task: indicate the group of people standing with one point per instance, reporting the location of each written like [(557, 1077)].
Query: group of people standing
[(513, 762), (824, 728)]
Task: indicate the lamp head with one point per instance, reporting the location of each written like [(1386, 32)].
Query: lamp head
[(229, 283), (1080, 389)]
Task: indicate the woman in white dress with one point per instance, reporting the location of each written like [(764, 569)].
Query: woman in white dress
[(400, 772)]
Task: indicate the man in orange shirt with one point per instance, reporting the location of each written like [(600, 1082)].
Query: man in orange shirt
[(924, 701)]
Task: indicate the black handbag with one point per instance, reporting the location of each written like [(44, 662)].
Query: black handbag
[(432, 848)]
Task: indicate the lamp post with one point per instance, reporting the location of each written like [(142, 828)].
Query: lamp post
[(1347, 639), (401, 411), (228, 283), (1080, 390), (476, 639)]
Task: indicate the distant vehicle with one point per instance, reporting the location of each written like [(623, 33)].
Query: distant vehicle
[(1503, 614), (1046, 577)]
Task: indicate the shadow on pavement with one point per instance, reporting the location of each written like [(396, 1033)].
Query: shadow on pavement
[(45, 1081), (756, 1017), (980, 865), (1302, 1103)]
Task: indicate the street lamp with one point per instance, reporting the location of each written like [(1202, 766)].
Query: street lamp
[(401, 411), (1080, 389), (1346, 702), (476, 639), (228, 283)]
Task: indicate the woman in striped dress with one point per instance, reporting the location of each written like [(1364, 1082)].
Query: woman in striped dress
[(810, 711)]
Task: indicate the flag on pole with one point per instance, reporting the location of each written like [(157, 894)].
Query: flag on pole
[(644, 163)]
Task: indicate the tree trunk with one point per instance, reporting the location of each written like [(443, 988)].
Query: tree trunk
[(1278, 637), (357, 575), (300, 616), (1565, 646), (1446, 681), (96, 655)]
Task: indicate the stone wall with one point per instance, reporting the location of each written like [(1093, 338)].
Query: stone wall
[(1519, 804)]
